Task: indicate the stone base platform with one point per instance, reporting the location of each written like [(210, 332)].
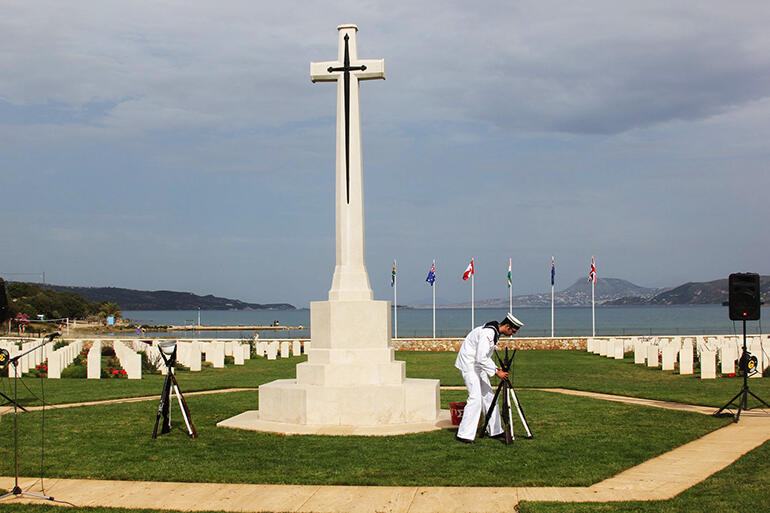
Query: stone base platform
[(249, 420)]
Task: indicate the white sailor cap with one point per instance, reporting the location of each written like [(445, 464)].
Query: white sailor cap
[(513, 321)]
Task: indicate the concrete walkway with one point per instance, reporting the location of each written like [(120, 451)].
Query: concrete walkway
[(660, 478)]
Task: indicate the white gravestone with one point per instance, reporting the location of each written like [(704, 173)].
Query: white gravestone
[(640, 352), (652, 355), (55, 364), (272, 350), (130, 360), (686, 359), (669, 354), (217, 354), (351, 378), (618, 348), (296, 348), (727, 358), (238, 354), (284, 349), (262, 348), (94, 361), (708, 364), (195, 356)]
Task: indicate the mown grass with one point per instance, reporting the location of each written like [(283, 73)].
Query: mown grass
[(57, 391), (742, 487), (584, 371), (578, 441), (539, 369)]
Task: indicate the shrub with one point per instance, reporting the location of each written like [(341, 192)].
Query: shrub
[(75, 371), (149, 364)]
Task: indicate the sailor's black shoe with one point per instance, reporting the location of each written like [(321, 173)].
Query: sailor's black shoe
[(463, 440)]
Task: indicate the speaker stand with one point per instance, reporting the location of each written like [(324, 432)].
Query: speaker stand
[(743, 396)]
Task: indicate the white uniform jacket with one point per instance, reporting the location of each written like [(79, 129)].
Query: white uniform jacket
[(476, 352)]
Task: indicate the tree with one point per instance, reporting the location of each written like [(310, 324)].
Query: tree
[(108, 308)]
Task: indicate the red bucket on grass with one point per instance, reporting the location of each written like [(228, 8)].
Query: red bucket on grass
[(456, 410)]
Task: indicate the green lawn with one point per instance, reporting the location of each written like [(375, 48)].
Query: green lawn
[(584, 371), (568, 369), (742, 487), (57, 391), (578, 441)]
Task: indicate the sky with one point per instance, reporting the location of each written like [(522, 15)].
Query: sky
[(180, 145)]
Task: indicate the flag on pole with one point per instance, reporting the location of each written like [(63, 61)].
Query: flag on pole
[(509, 274), (592, 273), (468, 271), (431, 274), (393, 275), (553, 271)]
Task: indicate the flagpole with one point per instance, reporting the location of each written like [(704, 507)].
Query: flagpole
[(593, 309), (395, 302), (593, 296), (510, 287), (434, 303), (473, 296), (552, 285)]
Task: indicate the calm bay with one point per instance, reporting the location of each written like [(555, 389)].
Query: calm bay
[(451, 322)]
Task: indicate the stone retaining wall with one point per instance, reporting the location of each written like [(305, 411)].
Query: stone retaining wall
[(453, 344)]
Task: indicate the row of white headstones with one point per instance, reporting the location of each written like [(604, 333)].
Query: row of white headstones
[(190, 353), (664, 352)]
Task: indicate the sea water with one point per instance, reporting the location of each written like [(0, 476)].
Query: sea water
[(456, 322)]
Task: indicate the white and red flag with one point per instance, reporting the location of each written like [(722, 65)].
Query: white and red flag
[(468, 271), (592, 273)]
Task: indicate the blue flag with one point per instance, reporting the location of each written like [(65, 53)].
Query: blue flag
[(553, 271), (431, 274)]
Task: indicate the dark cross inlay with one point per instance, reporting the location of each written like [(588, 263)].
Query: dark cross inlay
[(346, 68)]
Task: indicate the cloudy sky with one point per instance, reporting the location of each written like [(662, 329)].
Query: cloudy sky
[(181, 145)]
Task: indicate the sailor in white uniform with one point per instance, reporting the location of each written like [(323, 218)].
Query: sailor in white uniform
[(476, 366)]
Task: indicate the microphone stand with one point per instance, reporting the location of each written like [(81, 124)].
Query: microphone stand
[(17, 491)]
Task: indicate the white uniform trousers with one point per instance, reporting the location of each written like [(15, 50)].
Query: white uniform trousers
[(480, 393)]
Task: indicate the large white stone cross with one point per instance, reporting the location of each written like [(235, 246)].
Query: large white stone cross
[(351, 280)]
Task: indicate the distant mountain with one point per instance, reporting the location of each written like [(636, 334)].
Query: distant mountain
[(694, 293), (578, 294), (129, 299)]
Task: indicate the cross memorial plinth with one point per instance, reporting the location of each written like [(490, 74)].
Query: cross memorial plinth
[(351, 382)]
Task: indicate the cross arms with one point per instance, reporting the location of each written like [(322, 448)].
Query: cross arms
[(375, 68)]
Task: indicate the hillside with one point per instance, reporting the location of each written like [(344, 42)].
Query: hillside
[(694, 293), (578, 294), (129, 299)]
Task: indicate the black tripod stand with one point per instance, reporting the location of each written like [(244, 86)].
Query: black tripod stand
[(164, 406), (509, 394), (748, 365), (17, 491)]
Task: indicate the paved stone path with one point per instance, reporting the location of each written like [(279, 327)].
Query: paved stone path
[(660, 478)]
